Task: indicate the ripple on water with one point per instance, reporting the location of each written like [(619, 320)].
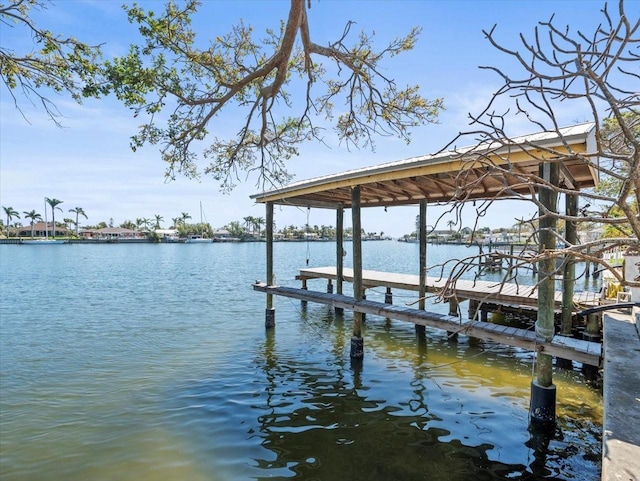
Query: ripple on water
[(137, 369)]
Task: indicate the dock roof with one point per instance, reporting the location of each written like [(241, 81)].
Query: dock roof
[(460, 174)]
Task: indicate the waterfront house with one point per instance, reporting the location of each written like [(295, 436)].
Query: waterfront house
[(113, 234), (42, 229)]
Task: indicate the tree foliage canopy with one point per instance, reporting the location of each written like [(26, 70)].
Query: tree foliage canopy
[(62, 64), (284, 84)]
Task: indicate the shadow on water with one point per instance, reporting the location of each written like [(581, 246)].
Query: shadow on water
[(412, 410)]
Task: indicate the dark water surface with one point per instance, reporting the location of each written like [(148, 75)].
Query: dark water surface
[(151, 362)]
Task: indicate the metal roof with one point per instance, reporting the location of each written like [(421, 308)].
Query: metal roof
[(486, 170)]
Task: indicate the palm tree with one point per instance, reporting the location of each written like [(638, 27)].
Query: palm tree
[(248, 222), (78, 211), (159, 219), (451, 223), (185, 216), (54, 205), (67, 223), (258, 222), (34, 216), (234, 228), (127, 224), (10, 212)]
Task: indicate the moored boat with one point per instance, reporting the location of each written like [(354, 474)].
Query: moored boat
[(197, 239), (42, 242)]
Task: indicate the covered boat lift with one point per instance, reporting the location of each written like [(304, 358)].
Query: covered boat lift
[(495, 169)]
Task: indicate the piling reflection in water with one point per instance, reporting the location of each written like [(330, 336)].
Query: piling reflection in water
[(414, 410)]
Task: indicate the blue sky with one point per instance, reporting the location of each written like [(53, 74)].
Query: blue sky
[(88, 162)]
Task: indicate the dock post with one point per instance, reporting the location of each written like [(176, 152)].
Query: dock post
[(364, 298), (270, 314), (303, 303), (593, 328), (591, 334), (587, 267), (453, 311), (569, 273), (357, 343), (542, 410), (422, 283), (329, 286), (339, 253), (473, 309), (388, 296)]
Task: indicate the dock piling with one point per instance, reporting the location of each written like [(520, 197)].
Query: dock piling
[(270, 314), (340, 253), (388, 296), (357, 343), (542, 410)]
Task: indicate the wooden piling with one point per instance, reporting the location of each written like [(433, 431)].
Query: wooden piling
[(542, 411), (453, 311), (339, 253), (304, 288), (422, 239), (569, 272), (388, 296), (270, 314), (357, 343), (593, 328)]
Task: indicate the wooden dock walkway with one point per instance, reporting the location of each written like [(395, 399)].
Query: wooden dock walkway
[(621, 392), (508, 294), (561, 346)]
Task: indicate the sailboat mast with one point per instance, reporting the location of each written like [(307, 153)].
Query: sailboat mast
[(46, 222)]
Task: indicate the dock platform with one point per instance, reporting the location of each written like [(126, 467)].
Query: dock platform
[(621, 393), (507, 294)]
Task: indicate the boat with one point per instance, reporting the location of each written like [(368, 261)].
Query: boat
[(42, 242), (198, 238)]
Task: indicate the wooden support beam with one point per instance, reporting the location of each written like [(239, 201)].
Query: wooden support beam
[(422, 263), (542, 411), (569, 271), (339, 249), (357, 350), (270, 317), (581, 351), (423, 253)]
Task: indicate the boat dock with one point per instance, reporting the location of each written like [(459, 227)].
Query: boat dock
[(621, 393), (461, 176), (478, 292)]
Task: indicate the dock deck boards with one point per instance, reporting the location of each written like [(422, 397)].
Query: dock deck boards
[(510, 294), (578, 350)]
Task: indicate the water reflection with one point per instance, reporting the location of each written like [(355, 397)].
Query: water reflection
[(132, 375), (414, 410)]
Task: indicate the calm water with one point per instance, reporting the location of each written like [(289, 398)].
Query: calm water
[(151, 362)]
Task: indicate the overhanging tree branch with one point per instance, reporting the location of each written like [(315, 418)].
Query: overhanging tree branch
[(240, 73)]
